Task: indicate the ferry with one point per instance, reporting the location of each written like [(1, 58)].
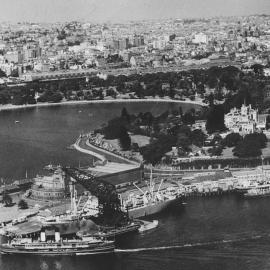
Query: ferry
[(58, 246), (258, 191)]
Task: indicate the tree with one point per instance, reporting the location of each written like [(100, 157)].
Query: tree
[(124, 139), (7, 200), (153, 152), (232, 139), (188, 118), (247, 148), (22, 204), (258, 137), (198, 137), (14, 73), (251, 145), (56, 97), (216, 150), (125, 115), (180, 111), (215, 119), (2, 73), (258, 68), (135, 147), (183, 141)]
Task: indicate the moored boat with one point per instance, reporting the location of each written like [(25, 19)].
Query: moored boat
[(150, 202), (258, 191), (147, 225), (109, 233)]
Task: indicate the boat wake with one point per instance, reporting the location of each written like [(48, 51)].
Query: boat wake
[(202, 244)]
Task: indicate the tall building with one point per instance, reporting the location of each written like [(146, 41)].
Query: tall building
[(121, 44), (138, 41), (200, 38), (159, 44), (31, 52), (16, 57)]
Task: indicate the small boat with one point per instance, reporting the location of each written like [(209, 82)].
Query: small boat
[(62, 219), (58, 246), (16, 122), (51, 167), (146, 226), (111, 233)]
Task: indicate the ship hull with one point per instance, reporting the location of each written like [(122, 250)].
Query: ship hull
[(151, 209), (59, 252), (249, 195)]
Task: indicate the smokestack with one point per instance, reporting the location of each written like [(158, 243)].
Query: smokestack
[(43, 236), (57, 236)]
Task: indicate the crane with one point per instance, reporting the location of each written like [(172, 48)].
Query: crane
[(110, 212)]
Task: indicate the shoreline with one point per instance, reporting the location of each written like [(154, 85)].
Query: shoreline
[(9, 107)]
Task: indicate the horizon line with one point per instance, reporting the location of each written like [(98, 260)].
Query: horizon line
[(115, 21)]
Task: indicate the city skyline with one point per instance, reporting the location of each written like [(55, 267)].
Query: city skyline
[(125, 10)]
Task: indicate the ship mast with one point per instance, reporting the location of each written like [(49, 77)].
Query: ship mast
[(151, 184), (263, 173), (73, 193)]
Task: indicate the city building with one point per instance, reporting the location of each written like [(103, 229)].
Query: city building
[(245, 120), (200, 38), (49, 187), (138, 41)]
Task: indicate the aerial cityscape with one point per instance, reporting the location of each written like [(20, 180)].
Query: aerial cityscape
[(134, 133)]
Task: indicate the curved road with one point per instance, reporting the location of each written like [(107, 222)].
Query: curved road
[(84, 146)]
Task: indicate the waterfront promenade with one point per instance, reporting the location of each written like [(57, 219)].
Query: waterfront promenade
[(8, 107)]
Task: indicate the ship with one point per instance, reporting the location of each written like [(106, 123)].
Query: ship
[(149, 202), (88, 210), (257, 188), (58, 246), (258, 191)]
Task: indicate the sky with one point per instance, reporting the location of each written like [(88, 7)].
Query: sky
[(124, 10)]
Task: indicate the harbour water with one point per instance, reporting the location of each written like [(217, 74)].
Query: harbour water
[(210, 233), (225, 232), (34, 137)]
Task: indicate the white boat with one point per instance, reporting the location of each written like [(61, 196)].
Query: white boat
[(146, 226), (258, 191), (59, 246)]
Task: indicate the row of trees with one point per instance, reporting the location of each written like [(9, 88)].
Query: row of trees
[(250, 145), (239, 87)]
